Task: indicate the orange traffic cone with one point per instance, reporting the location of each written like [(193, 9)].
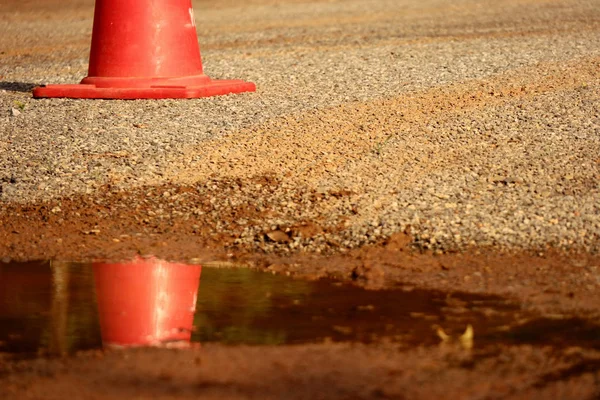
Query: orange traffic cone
[(146, 302), (144, 49)]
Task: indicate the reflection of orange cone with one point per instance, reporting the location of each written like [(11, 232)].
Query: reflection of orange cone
[(144, 49), (146, 302)]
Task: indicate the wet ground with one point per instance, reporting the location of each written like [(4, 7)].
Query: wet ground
[(257, 334), (51, 309)]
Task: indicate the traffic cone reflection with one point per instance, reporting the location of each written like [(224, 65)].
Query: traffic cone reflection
[(146, 302), (144, 49)]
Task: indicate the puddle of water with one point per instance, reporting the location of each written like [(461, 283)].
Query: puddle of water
[(42, 312), (59, 308)]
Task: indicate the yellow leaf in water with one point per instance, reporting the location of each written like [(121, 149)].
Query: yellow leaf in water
[(442, 335), (466, 339)]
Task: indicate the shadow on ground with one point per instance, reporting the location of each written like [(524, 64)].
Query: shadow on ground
[(23, 87)]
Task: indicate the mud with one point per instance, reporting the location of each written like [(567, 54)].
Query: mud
[(50, 309), (189, 224), (389, 333), (553, 322)]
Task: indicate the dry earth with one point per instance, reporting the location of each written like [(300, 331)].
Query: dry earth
[(452, 145)]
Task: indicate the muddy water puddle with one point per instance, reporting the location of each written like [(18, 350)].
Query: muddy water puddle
[(49, 308)]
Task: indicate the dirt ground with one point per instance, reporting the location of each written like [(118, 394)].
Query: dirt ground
[(452, 147)]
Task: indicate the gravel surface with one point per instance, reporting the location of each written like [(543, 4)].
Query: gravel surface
[(469, 124)]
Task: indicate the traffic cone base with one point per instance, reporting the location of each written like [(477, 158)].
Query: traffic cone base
[(144, 49), (161, 89)]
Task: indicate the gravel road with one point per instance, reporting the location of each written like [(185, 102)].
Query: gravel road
[(469, 123)]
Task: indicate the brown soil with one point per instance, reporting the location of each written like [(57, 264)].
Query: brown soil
[(556, 285), (91, 227), (323, 371)]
